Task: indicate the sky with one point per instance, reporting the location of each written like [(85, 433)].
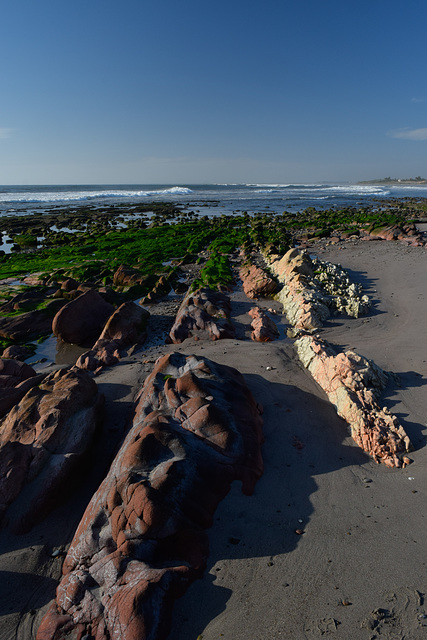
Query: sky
[(167, 92)]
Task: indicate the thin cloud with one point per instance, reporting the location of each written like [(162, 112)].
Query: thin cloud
[(409, 134), (5, 133), (416, 100)]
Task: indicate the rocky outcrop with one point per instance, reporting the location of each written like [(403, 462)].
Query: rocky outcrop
[(204, 313), (353, 384), (125, 327), (407, 233), (31, 324), (312, 289), (81, 320), (141, 541), (43, 439), (17, 352), (264, 329), (256, 282), (16, 378)]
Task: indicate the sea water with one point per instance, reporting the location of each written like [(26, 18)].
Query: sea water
[(213, 199)]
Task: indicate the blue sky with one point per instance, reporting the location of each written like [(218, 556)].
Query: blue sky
[(159, 91)]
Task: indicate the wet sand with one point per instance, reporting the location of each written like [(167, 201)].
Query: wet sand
[(361, 543)]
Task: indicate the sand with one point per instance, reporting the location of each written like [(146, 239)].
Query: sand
[(356, 569)]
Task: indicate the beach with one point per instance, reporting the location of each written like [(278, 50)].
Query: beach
[(330, 543)]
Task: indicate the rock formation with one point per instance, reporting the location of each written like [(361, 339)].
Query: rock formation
[(141, 541), (264, 329), (81, 320), (125, 327), (205, 313), (256, 282), (42, 440), (16, 378), (353, 385)]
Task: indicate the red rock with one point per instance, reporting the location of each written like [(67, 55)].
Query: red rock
[(256, 282), (125, 327), (263, 327), (141, 541), (353, 385), (206, 312), (81, 320)]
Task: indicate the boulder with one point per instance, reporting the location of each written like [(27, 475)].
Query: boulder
[(125, 327), (27, 325), (81, 320), (141, 541), (16, 378), (43, 440), (203, 313), (264, 329), (17, 352), (353, 384)]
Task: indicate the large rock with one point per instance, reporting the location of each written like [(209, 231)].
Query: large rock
[(353, 384), (125, 327), (264, 329), (43, 439), (81, 320), (141, 541), (29, 325), (203, 313), (16, 378)]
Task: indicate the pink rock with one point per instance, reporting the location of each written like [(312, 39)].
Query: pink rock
[(353, 384), (42, 441), (141, 541), (204, 312), (125, 327), (81, 320), (256, 282), (263, 327)]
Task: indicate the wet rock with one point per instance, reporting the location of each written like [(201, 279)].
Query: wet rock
[(264, 329), (27, 325), (43, 439), (125, 327), (204, 312), (353, 384), (17, 352), (141, 541), (81, 320)]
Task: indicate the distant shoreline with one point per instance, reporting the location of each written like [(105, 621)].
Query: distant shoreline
[(394, 181)]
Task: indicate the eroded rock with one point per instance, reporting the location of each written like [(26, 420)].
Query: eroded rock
[(256, 282), (81, 320), (125, 327), (353, 384), (141, 541), (43, 438), (204, 313), (264, 329)]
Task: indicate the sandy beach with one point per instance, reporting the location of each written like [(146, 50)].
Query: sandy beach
[(330, 543)]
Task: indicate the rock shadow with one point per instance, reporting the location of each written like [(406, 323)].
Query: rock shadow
[(303, 439)]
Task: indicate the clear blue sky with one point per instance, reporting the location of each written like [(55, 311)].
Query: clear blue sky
[(160, 91)]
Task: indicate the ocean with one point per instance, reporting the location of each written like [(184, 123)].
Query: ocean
[(211, 199)]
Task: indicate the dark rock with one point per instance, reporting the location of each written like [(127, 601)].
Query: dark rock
[(203, 313), (81, 320)]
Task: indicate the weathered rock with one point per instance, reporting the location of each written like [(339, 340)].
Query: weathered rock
[(69, 285), (353, 385), (125, 327), (141, 541), (43, 439), (16, 378), (125, 276), (17, 352), (408, 234), (81, 320), (27, 325), (204, 313), (256, 282), (264, 329)]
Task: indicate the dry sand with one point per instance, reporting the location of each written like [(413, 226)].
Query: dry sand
[(363, 546)]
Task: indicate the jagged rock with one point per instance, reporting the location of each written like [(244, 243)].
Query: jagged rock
[(141, 541), (126, 326), (203, 313), (256, 283), (407, 234), (264, 329), (125, 276), (353, 385), (43, 439), (81, 320)]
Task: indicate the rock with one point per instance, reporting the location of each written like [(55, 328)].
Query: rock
[(43, 439), (17, 352), (69, 285), (256, 282), (263, 327), (27, 325), (125, 327), (12, 372), (16, 378), (353, 385), (206, 312), (81, 320), (141, 541)]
